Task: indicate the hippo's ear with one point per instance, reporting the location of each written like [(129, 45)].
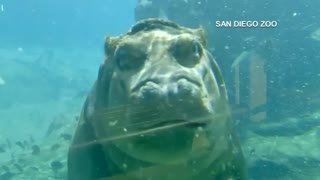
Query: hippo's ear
[(102, 85), (201, 33), (218, 74), (110, 45)]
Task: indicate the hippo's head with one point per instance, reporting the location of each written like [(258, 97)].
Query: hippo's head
[(157, 76)]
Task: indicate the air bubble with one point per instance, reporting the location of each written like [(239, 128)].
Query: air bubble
[(124, 165)]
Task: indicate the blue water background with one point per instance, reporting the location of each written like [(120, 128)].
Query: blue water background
[(82, 25), (63, 23)]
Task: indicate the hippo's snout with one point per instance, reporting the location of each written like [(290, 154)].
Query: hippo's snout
[(179, 90)]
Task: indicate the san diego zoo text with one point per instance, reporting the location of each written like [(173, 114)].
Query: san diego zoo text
[(246, 24)]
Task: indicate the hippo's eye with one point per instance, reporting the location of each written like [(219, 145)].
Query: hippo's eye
[(128, 58), (187, 52)]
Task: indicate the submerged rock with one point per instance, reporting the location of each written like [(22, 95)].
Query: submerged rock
[(56, 165), (35, 150), (7, 176)]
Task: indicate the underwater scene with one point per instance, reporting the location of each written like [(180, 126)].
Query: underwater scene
[(159, 90)]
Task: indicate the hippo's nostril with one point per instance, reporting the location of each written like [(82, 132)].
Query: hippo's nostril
[(184, 85), (146, 82), (184, 78), (150, 90)]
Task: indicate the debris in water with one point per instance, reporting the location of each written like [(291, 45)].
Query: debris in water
[(57, 123), (5, 168), (18, 167), (35, 150), (34, 168), (31, 140), (55, 147), (2, 8), (20, 49), (315, 35), (252, 151), (66, 136), (26, 144), (2, 82), (21, 161), (8, 143), (21, 145), (113, 123), (2, 148), (56, 165)]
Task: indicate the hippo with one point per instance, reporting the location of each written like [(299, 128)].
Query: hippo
[(157, 111)]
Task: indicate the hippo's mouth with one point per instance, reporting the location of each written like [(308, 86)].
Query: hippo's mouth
[(162, 115)]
